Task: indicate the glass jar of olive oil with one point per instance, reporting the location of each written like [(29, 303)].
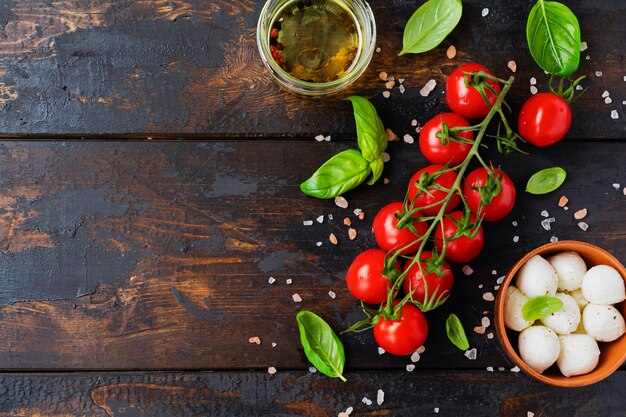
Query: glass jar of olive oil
[(316, 47)]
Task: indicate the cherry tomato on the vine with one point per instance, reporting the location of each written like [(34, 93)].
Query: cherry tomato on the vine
[(544, 119), (452, 152), (387, 234), (438, 286), (466, 100), (433, 196), (365, 277), (404, 335), (501, 204), (463, 248)]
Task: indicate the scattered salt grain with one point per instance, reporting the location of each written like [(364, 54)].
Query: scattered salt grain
[(296, 298), (583, 46), (421, 349), (341, 202), (494, 272), (485, 322), (624, 191), (327, 138), (608, 100), (381, 351), (451, 52), (415, 357), (271, 280), (330, 217), (588, 57), (320, 219), (408, 138), (533, 81), (271, 370), (390, 84), (357, 211), (533, 90), (584, 226), (598, 73), (515, 369), (378, 49), (401, 89), (530, 414), (488, 296), (467, 270), (386, 157), (514, 223), (362, 214), (554, 239), (430, 86), (351, 233), (349, 410), (605, 94), (308, 222), (480, 285), (319, 138), (333, 239), (496, 287), (471, 354), (386, 94), (565, 208), (479, 329), (318, 244), (545, 213), (546, 224), (436, 410), (343, 414), (580, 214), (489, 336), (383, 76), (614, 115), (288, 281), (332, 294), (490, 369), (255, 340), (563, 201), (347, 221), (380, 397), (274, 344), (312, 369), (418, 129), (616, 186), (512, 66), (485, 12), (400, 80), (414, 122), (579, 87), (501, 368), (410, 367), (515, 239), (500, 280), (390, 135), (366, 401)]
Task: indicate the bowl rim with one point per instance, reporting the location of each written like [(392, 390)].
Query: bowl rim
[(571, 382)]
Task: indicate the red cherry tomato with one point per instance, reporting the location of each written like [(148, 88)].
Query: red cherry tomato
[(365, 277), (500, 205), (453, 152), (462, 249), (403, 336), (388, 236), (433, 196), (544, 119), (466, 100), (415, 280)]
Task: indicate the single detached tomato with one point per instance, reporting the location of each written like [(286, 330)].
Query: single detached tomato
[(501, 204), (544, 119), (438, 286), (434, 196), (464, 248), (403, 336), (465, 99), (387, 234), (365, 277), (452, 152)]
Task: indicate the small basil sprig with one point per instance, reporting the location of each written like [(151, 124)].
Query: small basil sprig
[(430, 24), (350, 168), (553, 35), (538, 307), (456, 333), (546, 180), (321, 345)]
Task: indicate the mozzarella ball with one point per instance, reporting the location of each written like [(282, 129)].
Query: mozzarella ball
[(602, 284), (570, 270), (603, 323), (579, 354), (513, 304), (537, 277), (539, 347), (566, 319), (580, 299)]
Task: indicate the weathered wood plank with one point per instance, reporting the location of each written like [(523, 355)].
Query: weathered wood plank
[(191, 68), (235, 394), (114, 249)]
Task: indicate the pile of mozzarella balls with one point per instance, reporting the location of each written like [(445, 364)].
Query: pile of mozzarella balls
[(568, 336)]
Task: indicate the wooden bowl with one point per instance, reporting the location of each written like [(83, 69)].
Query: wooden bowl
[(612, 354)]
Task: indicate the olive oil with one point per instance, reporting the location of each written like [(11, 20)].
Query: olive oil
[(316, 41)]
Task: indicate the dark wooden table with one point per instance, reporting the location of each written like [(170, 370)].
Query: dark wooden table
[(149, 178)]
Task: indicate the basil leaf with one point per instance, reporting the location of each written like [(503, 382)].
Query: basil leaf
[(539, 307), (369, 128), (377, 169), (456, 333), (321, 345), (430, 24), (546, 180), (553, 36), (339, 174)]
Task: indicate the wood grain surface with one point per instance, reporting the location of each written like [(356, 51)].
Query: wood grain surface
[(290, 394), (155, 68), (112, 249)]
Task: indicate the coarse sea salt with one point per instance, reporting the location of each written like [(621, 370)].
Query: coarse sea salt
[(485, 12), (381, 351), (467, 270), (605, 94), (320, 219), (533, 81), (488, 296), (545, 213), (386, 94), (380, 397), (312, 369), (296, 298), (616, 185), (584, 226), (490, 369), (533, 90), (614, 115), (318, 244), (515, 239), (554, 239), (366, 401), (430, 86), (410, 367), (471, 354), (500, 280), (307, 222), (485, 322), (512, 65), (415, 357), (546, 224), (421, 349), (515, 369), (401, 89), (332, 294), (583, 46), (608, 100), (288, 281), (598, 73), (408, 138), (271, 280), (319, 138), (341, 202)]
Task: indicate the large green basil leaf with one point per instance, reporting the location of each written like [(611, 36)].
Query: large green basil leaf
[(377, 169), (430, 24), (456, 333), (546, 180), (540, 307), (369, 128), (339, 174), (553, 36), (321, 345)]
